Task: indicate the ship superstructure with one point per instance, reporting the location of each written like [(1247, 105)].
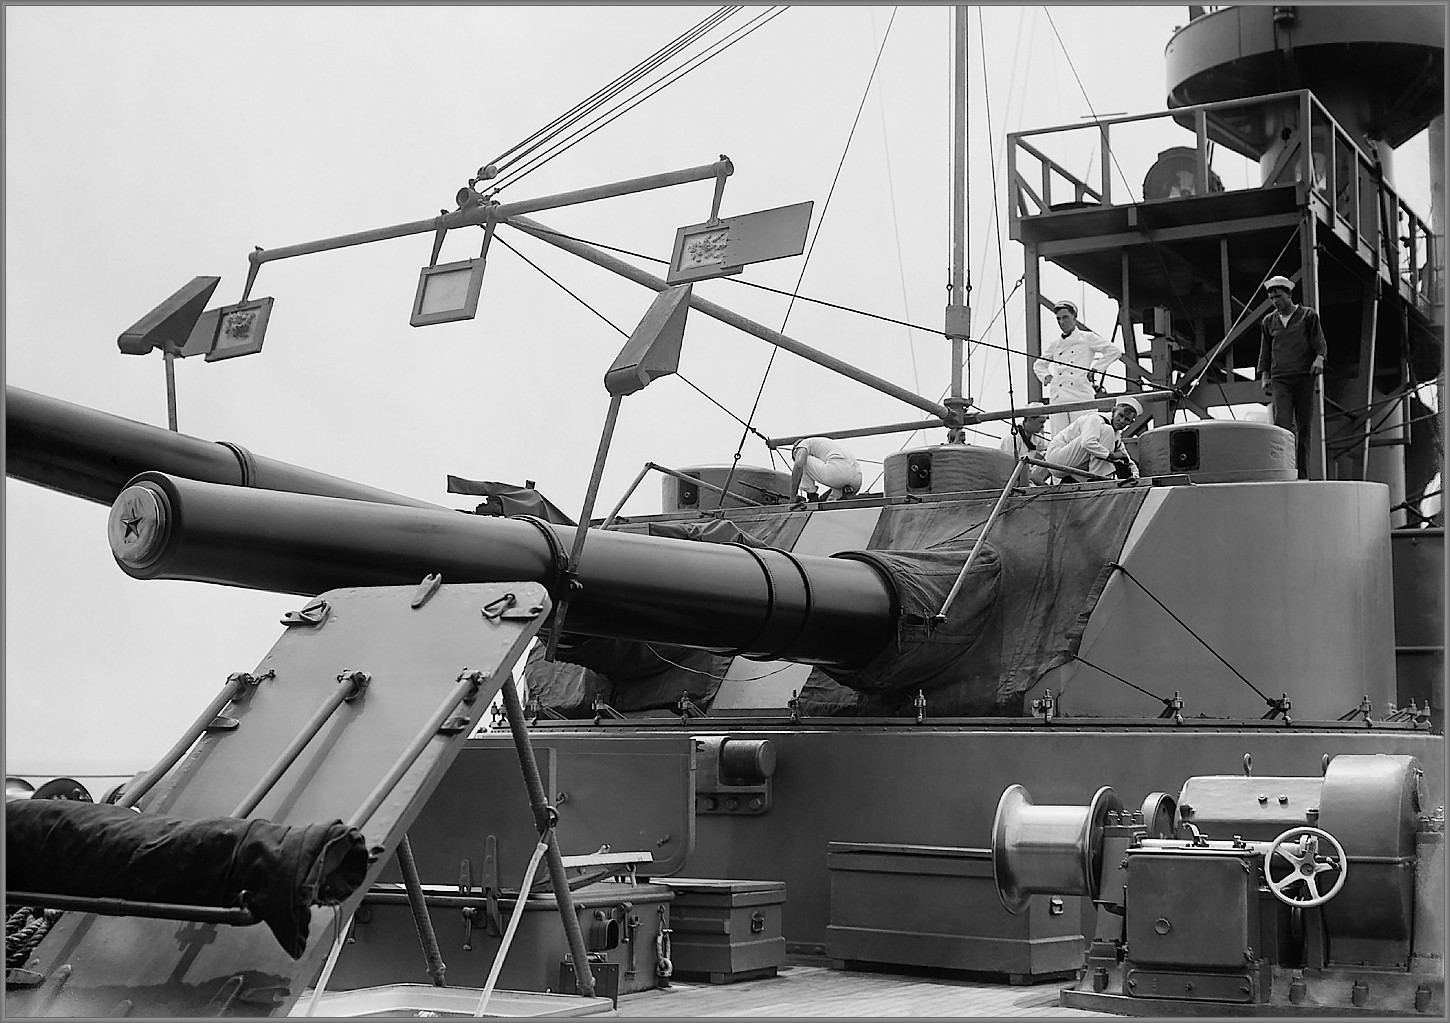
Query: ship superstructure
[(1150, 741)]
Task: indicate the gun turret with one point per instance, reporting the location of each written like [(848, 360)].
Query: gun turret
[(756, 602), (187, 508)]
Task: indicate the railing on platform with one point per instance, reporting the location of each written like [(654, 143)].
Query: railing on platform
[(1122, 160)]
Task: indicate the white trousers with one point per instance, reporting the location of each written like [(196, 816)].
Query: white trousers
[(834, 473), (1063, 393)]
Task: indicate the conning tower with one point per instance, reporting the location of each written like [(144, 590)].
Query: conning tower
[(1376, 77)]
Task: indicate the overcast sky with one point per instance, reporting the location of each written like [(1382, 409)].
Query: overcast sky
[(144, 146)]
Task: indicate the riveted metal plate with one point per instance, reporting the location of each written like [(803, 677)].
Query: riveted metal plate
[(1208, 987)]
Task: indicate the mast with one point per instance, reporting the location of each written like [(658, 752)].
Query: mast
[(958, 316)]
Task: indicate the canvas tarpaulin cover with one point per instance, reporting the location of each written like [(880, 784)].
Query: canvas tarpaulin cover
[(96, 850), (628, 675), (1020, 613), (507, 499), (774, 528)]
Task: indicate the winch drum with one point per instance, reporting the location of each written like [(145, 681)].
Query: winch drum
[(1047, 849)]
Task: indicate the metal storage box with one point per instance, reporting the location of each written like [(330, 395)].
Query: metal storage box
[(383, 943), (726, 930), (938, 906)]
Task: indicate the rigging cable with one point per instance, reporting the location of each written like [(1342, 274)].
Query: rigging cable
[(812, 247), (713, 677), (796, 295), (1130, 685), (759, 21), (624, 333), (896, 226), (626, 105), (996, 230), (1187, 384), (1201, 640), (996, 213), (1153, 243), (1376, 428), (558, 125)]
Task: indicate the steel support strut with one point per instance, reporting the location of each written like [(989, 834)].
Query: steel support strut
[(734, 319), (238, 685), (478, 215), (941, 616), (418, 903), (349, 686), (544, 818)]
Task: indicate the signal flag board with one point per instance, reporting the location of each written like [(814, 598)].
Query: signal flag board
[(726, 246), (240, 329)]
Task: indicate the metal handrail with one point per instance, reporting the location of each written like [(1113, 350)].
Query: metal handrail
[(1223, 104), (1399, 242)]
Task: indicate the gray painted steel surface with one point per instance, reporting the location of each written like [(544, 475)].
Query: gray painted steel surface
[(939, 785), (415, 657)]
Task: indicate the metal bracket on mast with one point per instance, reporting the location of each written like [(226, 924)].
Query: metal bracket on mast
[(726, 168)]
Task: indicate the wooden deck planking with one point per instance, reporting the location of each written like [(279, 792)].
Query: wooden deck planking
[(818, 990)]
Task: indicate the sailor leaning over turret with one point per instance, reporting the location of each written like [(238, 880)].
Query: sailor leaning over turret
[(823, 461), (1094, 442)]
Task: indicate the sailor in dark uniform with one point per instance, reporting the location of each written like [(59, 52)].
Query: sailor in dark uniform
[(1291, 355)]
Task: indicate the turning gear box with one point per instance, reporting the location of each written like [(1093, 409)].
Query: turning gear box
[(726, 930)]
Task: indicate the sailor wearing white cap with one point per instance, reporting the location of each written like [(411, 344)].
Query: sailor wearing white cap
[(1094, 441), (1291, 355), (1068, 362)]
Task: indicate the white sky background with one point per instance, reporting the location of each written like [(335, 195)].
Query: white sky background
[(145, 146)]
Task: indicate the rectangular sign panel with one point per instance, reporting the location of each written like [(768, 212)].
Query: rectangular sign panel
[(240, 329), (447, 292), (728, 245)]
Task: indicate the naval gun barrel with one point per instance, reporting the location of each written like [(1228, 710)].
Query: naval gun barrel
[(756, 602), (93, 455)]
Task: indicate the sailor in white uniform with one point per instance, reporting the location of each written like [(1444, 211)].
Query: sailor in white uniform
[(824, 461), (1094, 442), (1068, 362)]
